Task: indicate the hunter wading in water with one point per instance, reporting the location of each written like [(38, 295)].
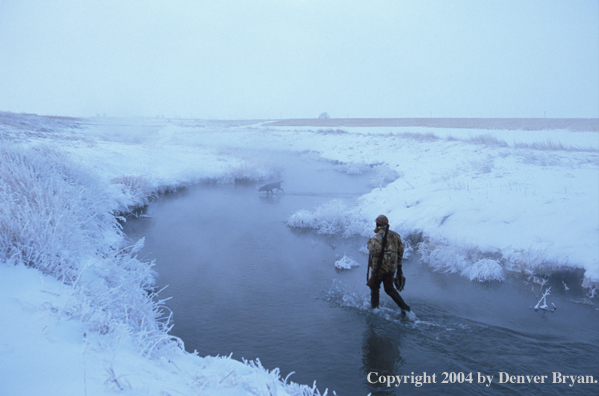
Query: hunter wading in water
[(386, 253)]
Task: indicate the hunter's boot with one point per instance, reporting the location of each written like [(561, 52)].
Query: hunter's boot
[(374, 297)]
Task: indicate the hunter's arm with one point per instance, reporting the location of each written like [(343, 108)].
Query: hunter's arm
[(400, 251)]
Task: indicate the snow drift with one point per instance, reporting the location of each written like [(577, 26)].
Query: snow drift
[(478, 202)]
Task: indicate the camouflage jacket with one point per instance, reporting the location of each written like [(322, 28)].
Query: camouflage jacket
[(393, 251)]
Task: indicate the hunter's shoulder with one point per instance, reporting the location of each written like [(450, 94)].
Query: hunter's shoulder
[(375, 238), (395, 235)]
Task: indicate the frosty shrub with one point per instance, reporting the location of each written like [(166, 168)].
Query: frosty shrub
[(333, 217), (530, 261), (467, 261), (250, 170), (136, 189), (484, 270), (52, 214), (442, 257), (346, 262), (57, 218)]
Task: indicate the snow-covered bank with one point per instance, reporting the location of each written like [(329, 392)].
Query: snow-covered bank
[(486, 202), (45, 350), (81, 313)]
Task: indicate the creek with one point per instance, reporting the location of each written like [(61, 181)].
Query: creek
[(245, 283)]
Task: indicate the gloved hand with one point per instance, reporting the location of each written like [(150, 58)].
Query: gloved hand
[(400, 282)]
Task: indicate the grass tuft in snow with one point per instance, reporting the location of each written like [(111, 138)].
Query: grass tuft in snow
[(484, 270), (252, 169), (346, 263), (552, 146), (530, 260), (52, 214), (467, 261), (488, 140), (331, 218), (59, 219), (420, 137), (136, 189)]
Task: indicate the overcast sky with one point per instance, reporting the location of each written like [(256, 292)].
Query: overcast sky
[(298, 58)]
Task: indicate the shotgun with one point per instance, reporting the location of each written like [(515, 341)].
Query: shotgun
[(379, 261)]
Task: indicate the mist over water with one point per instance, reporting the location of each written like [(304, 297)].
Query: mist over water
[(243, 282)]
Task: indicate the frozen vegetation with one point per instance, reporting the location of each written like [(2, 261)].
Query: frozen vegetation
[(83, 315), (482, 203), (346, 263)]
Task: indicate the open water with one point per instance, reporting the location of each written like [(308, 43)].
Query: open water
[(245, 283)]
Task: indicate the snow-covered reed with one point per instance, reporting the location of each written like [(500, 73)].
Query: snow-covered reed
[(137, 190), (58, 218), (467, 261), (346, 263), (52, 214), (331, 218)]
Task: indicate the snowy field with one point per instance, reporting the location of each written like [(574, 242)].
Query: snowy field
[(490, 204)]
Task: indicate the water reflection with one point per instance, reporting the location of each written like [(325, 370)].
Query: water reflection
[(270, 198), (381, 353)]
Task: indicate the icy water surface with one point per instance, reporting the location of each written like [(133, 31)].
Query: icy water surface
[(243, 282)]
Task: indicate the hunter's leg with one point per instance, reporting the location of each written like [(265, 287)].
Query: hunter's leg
[(375, 293), (392, 292)]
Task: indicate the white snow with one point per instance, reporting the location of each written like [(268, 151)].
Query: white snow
[(476, 196), (46, 351), (74, 296), (346, 263)]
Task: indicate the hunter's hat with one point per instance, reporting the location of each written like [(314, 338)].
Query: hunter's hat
[(382, 220)]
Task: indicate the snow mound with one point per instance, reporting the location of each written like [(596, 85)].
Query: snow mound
[(346, 263)]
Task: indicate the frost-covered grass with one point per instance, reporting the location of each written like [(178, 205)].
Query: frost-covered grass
[(346, 263), (57, 218), (333, 217), (469, 262), (74, 293), (52, 213), (483, 203)]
